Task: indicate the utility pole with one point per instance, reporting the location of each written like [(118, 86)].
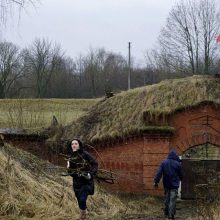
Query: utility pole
[(129, 65)]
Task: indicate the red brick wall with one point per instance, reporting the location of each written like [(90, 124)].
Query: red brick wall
[(155, 151), (195, 127), (126, 160)]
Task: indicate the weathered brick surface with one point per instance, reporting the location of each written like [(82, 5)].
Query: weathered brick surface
[(195, 127), (149, 171), (126, 160), (155, 151), (154, 159), (158, 146), (149, 185)]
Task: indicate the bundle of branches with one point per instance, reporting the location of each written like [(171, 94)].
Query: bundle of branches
[(82, 165)]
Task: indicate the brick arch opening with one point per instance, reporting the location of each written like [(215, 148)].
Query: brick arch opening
[(207, 145), (192, 141), (194, 126), (199, 164)]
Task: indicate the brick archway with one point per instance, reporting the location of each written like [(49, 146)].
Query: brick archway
[(200, 144), (199, 164), (192, 142), (196, 126)]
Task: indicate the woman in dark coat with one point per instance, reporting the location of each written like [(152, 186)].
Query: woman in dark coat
[(82, 167)]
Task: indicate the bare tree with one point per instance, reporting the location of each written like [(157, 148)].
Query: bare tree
[(93, 66), (102, 70), (10, 67), (79, 67), (42, 60), (8, 6), (41, 71), (115, 68), (187, 42), (210, 21)]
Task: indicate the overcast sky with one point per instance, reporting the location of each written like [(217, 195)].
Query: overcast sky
[(79, 24)]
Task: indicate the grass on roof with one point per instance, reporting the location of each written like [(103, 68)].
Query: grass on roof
[(120, 115)]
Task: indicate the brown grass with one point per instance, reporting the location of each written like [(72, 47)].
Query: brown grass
[(28, 190)]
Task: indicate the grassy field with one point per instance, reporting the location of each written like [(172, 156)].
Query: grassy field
[(38, 113)]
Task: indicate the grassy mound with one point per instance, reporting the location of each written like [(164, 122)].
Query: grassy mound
[(28, 191), (123, 114)]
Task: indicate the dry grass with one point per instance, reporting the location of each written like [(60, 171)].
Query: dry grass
[(28, 191), (38, 113), (123, 114), (214, 216)]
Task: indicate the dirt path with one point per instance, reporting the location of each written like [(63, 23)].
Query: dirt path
[(185, 210)]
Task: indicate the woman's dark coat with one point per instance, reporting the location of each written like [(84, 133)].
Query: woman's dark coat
[(82, 163)]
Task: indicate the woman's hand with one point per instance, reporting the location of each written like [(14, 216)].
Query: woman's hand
[(86, 176)]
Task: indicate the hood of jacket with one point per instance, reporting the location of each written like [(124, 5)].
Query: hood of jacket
[(173, 155)]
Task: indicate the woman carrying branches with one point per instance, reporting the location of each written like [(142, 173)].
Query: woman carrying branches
[(82, 167)]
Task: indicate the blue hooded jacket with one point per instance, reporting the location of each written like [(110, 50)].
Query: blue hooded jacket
[(171, 171)]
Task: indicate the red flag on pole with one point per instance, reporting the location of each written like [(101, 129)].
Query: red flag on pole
[(218, 39)]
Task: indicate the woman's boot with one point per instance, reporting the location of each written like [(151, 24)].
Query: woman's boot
[(83, 214)]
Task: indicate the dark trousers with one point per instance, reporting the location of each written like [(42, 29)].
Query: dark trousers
[(81, 198), (170, 202)]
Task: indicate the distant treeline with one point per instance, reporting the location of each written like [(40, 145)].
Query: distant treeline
[(43, 71)]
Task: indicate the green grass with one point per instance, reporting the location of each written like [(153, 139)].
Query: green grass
[(122, 114), (38, 113)]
